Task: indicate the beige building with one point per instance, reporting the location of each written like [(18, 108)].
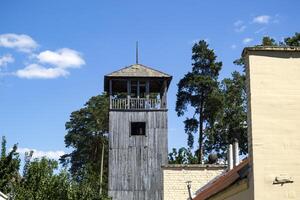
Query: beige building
[(176, 177), (272, 170)]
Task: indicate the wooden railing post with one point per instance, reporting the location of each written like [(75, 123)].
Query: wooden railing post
[(128, 93), (110, 94), (135, 103)]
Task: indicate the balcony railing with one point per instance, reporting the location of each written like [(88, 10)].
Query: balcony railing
[(135, 103)]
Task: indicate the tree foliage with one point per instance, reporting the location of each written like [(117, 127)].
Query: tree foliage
[(88, 188), (182, 156), (9, 167), (293, 41), (231, 124), (268, 41), (39, 181), (219, 107), (86, 131), (42, 180), (199, 90)]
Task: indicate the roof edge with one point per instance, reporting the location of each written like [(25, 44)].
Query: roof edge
[(165, 74), (222, 182), (246, 50), (194, 166)]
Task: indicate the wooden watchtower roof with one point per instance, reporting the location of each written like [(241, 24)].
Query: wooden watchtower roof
[(136, 71)]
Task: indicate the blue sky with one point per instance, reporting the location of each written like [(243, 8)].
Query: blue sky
[(54, 54)]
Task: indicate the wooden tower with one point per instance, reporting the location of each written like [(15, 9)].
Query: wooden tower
[(138, 131)]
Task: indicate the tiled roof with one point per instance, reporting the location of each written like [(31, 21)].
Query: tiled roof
[(223, 181)]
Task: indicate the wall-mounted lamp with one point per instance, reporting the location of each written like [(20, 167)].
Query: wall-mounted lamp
[(189, 185), (282, 180)]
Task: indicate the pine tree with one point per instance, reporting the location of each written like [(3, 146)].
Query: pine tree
[(199, 89)]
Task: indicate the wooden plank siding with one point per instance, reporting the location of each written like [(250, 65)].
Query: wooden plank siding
[(135, 161)]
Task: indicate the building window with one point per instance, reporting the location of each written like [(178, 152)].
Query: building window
[(138, 128), (134, 91)]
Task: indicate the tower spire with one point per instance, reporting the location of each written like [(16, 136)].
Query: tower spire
[(137, 52)]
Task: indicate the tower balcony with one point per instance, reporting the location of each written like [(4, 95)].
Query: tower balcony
[(137, 104), (137, 87)]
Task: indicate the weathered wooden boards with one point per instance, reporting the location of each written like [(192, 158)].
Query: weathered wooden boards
[(135, 161)]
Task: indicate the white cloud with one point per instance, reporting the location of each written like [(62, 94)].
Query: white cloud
[(247, 40), (240, 29), (238, 23), (261, 19), (239, 26), (36, 71), (20, 42), (63, 58), (52, 64), (39, 154), (261, 30), (46, 64), (233, 46), (4, 60)]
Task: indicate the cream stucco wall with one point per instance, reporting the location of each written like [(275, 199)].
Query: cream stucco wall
[(175, 178), (237, 191), (274, 122), (244, 195)]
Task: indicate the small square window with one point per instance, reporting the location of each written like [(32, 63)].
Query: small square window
[(138, 128)]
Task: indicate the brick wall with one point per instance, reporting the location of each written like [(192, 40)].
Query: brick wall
[(176, 176)]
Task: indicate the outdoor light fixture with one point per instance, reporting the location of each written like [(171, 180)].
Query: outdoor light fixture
[(282, 180), (189, 185)]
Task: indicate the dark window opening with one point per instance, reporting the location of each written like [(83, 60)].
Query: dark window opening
[(138, 128), (142, 89), (133, 89)]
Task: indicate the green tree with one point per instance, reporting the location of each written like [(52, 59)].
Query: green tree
[(87, 129), (42, 179), (9, 167), (293, 41), (39, 181), (199, 89), (268, 41), (231, 124), (87, 188), (182, 156)]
